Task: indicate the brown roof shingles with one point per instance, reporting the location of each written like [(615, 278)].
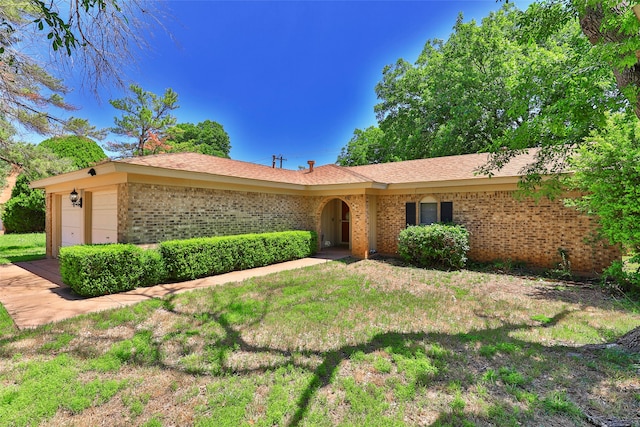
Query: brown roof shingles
[(450, 168)]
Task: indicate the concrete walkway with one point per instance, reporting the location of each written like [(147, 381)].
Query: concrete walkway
[(34, 295)]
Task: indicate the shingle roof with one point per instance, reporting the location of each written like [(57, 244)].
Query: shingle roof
[(423, 170), (449, 168), (193, 162)]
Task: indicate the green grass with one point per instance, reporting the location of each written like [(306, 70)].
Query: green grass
[(39, 388), (21, 247), (364, 343), (7, 326)]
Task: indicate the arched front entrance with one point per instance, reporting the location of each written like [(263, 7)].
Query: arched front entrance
[(335, 225)]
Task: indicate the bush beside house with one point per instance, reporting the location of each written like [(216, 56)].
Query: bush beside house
[(24, 212), (434, 245), (94, 270), (201, 257)]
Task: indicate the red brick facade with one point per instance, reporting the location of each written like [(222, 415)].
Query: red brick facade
[(183, 195), (155, 213), (503, 228)]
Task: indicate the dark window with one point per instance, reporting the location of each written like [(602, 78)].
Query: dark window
[(446, 212), (410, 209), (428, 213)]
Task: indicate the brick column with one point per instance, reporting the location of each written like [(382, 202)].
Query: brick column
[(359, 225), (48, 224)]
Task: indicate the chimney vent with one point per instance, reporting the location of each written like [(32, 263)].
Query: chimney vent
[(311, 163)]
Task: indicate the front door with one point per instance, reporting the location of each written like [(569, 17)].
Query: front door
[(346, 229)]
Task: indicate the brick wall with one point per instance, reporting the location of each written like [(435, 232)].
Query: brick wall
[(155, 213), (502, 227)]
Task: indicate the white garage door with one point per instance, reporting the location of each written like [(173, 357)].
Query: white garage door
[(71, 223), (104, 217)]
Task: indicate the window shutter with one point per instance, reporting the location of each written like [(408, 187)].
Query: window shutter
[(446, 212), (410, 212)]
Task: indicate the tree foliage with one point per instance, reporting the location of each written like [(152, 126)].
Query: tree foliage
[(92, 36), (207, 137), (145, 119), (34, 161), (607, 172), (366, 147), (613, 29), (491, 85), (27, 90), (24, 212), (88, 38), (82, 151), (81, 127)]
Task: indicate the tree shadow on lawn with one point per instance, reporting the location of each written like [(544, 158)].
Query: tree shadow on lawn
[(398, 343), (461, 362)]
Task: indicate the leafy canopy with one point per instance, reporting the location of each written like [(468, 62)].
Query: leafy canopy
[(207, 137), (82, 151), (607, 171), (365, 147), (490, 85)]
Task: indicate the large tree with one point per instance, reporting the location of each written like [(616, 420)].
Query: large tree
[(87, 38), (490, 85), (207, 137), (145, 119), (613, 29)]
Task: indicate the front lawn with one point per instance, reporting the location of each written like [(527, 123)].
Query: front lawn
[(21, 247), (361, 343)]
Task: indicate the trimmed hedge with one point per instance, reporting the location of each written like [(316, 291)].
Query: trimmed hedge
[(201, 257), (434, 245), (94, 270)]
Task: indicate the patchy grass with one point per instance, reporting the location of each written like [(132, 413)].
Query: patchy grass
[(21, 247), (7, 326), (359, 343)]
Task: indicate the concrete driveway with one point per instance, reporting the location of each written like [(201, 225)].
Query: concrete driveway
[(34, 295)]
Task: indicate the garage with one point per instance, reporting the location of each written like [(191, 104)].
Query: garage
[(72, 224), (104, 217)]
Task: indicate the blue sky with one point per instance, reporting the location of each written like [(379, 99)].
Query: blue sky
[(290, 78)]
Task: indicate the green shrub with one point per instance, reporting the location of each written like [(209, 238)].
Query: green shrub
[(94, 270), (24, 212), (617, 276), (153, 269), (201, 257), (434, 245)]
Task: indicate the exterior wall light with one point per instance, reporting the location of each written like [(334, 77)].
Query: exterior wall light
[(75, 201)]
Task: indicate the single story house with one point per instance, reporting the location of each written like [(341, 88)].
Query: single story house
[(145, 200)]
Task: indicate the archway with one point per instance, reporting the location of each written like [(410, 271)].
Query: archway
[(335, 225)]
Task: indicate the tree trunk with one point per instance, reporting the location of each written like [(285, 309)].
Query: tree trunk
[(631, 340), (591, 23)]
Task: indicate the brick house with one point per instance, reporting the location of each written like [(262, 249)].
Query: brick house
[(150, 199)]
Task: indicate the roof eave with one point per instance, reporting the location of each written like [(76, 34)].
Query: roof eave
[(115, 167), (456, 182), (344, 186), (77, 175)]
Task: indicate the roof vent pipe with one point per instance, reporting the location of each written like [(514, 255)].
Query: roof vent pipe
[(311, 163)]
